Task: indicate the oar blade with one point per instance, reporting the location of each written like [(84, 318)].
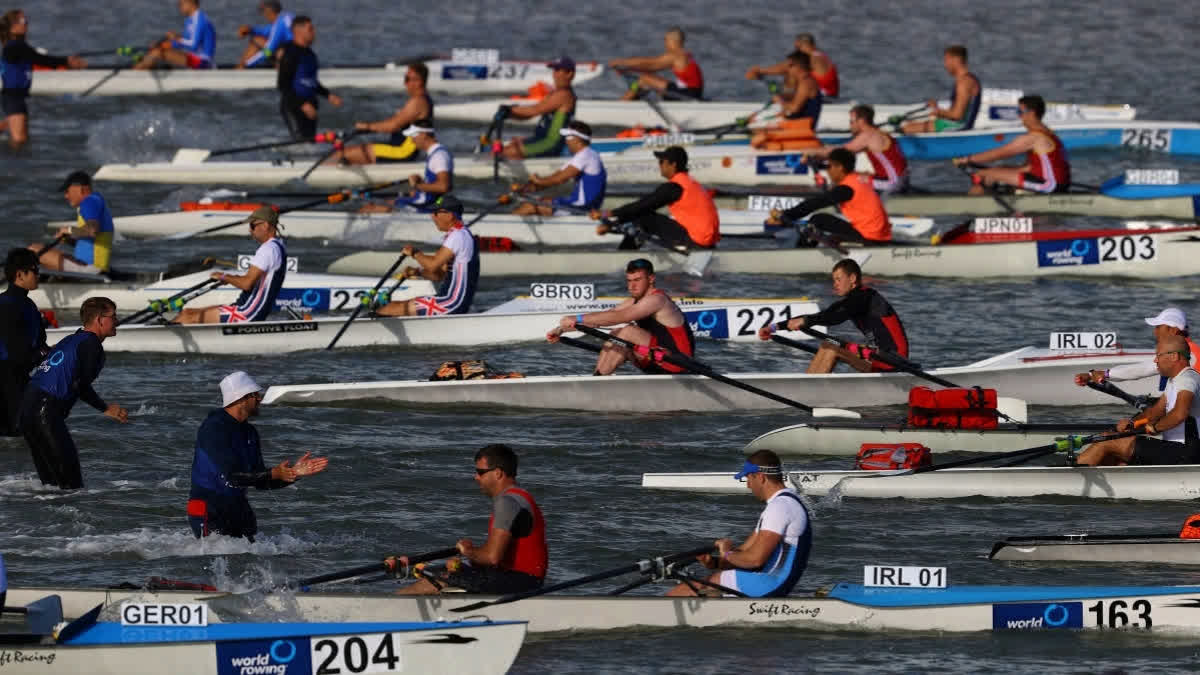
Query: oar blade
[(836, 412), (190, 156)]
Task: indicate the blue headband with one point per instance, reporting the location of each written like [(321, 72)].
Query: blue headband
[(749, 467)]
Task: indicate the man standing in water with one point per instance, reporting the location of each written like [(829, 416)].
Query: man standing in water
[(298, 83), (22, 335)]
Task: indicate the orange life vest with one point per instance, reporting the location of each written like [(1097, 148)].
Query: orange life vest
[(696, 211), (865, 210)]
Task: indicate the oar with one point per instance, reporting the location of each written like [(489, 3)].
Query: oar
[(643, 566), (198, 155), (173, 302), (882, 355), (339, 142), (742, 124), (1111, 389), (896, 120), (354, 314), (135, 56), (1068, 444), (47, 247), (303, 584), (122, 50), (694, 366)]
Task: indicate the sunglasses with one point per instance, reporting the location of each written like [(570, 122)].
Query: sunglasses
[(481, 472)]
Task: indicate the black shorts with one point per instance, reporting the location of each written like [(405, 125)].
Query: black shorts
[(13, 102), (298, 124), (676, 93), (492, 580), (1148, 451)]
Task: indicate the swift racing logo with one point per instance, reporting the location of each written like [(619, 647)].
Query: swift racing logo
[(1037, 615)]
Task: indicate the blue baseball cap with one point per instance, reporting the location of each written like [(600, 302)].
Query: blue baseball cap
[(563, 63), (749, 467)]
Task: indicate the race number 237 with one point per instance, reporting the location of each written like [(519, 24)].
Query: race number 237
[(1119, 613), (1146, 139), (1136, 248), (508, 71), (356, 654)]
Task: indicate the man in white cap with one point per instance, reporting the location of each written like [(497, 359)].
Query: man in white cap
[(585, 167), (439, 172), (259, 285), (229, 461), (1170, 321)]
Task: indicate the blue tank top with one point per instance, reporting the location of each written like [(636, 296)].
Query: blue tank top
[(968, 120), (58, 375), (811, 108), (430, 176)]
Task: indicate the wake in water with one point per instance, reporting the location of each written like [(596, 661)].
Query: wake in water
[(142, 136), (154, 543)]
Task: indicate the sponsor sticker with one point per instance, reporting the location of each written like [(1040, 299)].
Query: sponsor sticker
[(784, 609), (291, 656), (1066, 252), (780, 165), (164, 614), (710, 323), (464, 72), (1037, 615), (273, 327), (1089, 341), (904, 576), (303, 299)]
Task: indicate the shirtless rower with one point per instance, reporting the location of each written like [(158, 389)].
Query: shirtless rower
[(194, 49), (455, 266), (1046, 169), (865, 220), (264, 41), (92, 234), (557, 110), (965, 99), (1170, 321), (1175, 415), (891, 167), (585, 167), (823, 70), (259, 285), (688, 82), (652, 320), (437, 180), (399, 147), (863, 306), (772, 559), (800, 111)]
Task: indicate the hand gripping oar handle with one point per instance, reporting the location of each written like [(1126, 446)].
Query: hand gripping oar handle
[(884, 356), (175, 301), (645, 566), (338, 143), (1111, 389), (354, 314), (695, 366), (1068, 444), (57, 240), (372, 568)]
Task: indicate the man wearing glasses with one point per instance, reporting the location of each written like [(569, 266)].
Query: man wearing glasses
[(259, 285), (1046, 169), (66, 375), (22, 335), (514, 557), (400, 147), (455, 266), (229, 461), (1175, 415), (770, 562)]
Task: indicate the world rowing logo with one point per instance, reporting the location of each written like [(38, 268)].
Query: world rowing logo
[(264, 657), (1037, 615)]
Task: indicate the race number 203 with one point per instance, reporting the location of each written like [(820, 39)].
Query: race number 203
[(377, 653), (1136, 248)]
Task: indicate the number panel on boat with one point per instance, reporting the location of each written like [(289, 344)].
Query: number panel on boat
[(1097, 250), (376, 653)]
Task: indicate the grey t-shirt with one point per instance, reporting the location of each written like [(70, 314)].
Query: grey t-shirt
[(512, 512)]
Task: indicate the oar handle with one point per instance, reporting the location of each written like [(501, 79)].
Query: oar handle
[(884, 356), (47, 247), (796, 344), (374, 567), (159, 306), (574, 342), (1111, 389), (354, 314)]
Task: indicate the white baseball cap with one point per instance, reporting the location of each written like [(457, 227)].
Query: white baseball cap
[(235, 386), (1171, 316)]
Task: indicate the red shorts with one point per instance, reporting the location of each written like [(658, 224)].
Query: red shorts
[(196, 63)]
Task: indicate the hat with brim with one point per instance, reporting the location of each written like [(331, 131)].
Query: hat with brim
[(76, 178), (266, 214), (449, 203), (236, 386), (1171, 316)]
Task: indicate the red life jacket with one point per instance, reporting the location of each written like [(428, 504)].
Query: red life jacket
[(527, 554)]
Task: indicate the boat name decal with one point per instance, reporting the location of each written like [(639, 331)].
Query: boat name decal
[(8, 656), (1037, 615), (553, 291), (164, 614), (770, 202), (262, 328), (774, 609), (287, 656), (664, 140), (910, 252)]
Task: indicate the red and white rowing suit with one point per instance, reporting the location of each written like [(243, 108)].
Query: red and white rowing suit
[(827, 81), (1049, 172), (891, 168)]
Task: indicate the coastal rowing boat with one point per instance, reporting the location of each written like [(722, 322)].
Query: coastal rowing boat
[(1151, 483), (1039, 376), (844, 438), (726, 321), (303, 292), (1160, 549), (834, 116), (845, 606), (710, 165), (148, 643), (1152, 253), (445, 77)]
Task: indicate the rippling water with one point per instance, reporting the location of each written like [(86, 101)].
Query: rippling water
[(400, 479)]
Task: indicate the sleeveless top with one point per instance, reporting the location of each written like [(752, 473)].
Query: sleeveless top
[(829, 81), (976, 102), (691, 77), (696, 211), (527, 554), (890, 164), (865, 209), (398, 137), (1052, 166)]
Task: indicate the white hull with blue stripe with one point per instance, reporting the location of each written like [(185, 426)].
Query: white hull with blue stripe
[(844, 606)]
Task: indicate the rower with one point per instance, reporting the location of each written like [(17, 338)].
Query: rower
[(66, 375), (92, 234), (194, 49), (688, 84), (694, 221), (800, 111), (823, 69), (22, 335), (557, 110), (298, 83), (865, 220), (259, 285), (1046, 169), (1175, 415), (228, 461), (455, 265), (867, 309), (437, 180), (399, 147), (1170, 321), (772, 559), (966, 98), (514, 558), (265, 40), (653, 320), (17, 60), (887, 158), (585, 167)]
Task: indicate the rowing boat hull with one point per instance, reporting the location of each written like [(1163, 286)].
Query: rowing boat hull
[(845, 438), (1104, 254), (732, 321), (445, 77), (1166, 549), (1149, 483), (1028, 373), (846, 607), (834, 116)]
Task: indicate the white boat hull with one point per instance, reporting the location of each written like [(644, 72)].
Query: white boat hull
[(1027, 373), (1147, 255), (1084, 548), (1152, 483), (445, 77), (845, 438), (848, 607)]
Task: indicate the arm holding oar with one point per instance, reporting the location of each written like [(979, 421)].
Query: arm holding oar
[(555, 111), (438, 176), (388, 565), (398, 146), (1046, 168), (585, 167)]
